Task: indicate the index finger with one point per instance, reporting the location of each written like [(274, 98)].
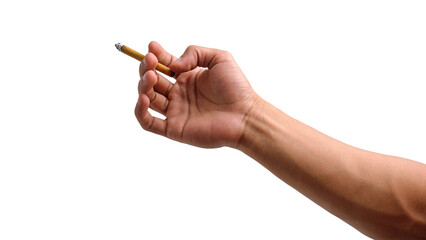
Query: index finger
[(162, 55)]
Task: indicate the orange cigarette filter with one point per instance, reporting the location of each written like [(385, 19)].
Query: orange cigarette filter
[(139, 56)]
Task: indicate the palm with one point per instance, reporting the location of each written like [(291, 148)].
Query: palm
[(207, 107)]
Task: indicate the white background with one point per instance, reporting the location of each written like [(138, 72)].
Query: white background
[(75, 164)]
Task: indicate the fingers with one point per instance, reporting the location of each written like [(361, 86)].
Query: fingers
[(162, 55), (153, 85), (146, 120), (158, 101), (199, 56), (153, 90), (162, 86), (148, 63)]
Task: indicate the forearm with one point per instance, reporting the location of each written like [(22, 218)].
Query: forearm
[(365, 189)]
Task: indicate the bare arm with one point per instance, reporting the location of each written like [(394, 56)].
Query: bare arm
[(382, 196)]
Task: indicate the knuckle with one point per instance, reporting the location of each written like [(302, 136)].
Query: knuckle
[(225, 54), (165, 106), (137, 113), (182, 80), (153, 98), (191, 47), (144, 126)]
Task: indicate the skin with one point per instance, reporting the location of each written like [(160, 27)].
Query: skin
[(211, 104)]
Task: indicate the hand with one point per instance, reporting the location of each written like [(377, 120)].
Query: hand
[(206, 106)]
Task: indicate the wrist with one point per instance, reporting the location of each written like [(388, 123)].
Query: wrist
[(258, 124)]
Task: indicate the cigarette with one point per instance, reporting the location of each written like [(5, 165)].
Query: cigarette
[(139, 56)]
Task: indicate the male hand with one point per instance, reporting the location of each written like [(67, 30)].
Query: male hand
[(206, 106)]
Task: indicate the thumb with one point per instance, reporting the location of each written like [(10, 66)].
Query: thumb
[(196, 56)]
